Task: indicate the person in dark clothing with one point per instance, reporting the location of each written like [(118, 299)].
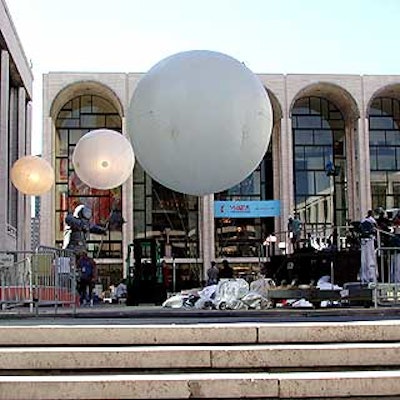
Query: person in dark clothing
[(87, 277), (226, 270), (212, 274)]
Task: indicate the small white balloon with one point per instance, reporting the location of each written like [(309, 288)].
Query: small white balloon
[(32, 175), (103, 159), (200, 122)]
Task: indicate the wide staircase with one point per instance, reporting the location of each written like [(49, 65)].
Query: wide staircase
[(358, 360)]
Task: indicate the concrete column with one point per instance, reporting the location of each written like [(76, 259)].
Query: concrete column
[(47, 215), (351, 166), (362, 166), (286, 176), (23, 234), (368, 165), (276, 145), (4, 107), (207, 230), (127, 210), (28, 199)]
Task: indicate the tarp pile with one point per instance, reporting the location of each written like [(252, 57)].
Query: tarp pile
[(228, 294), (237, 294)]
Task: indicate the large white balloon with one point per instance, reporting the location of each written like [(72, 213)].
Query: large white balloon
[(103, 159), (200, 122), (32, 175)]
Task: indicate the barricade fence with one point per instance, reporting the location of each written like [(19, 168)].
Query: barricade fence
[(387, 288), (45, 277)]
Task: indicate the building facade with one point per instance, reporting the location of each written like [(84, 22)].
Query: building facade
[(15, 133), (334, 154)]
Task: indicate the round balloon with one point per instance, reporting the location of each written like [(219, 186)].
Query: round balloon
[(32, 175), (200, 122), (103, 159)]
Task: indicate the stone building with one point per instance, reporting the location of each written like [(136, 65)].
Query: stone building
[(334, 154), (15, 133)]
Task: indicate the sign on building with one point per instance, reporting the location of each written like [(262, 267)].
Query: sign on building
[(247, 209)]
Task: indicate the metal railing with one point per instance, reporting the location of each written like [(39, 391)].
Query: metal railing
[(43, 278)]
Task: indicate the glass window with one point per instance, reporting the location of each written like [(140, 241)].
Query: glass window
[(386, 158), (322, 183), (387, 107), (381, 123), (113, 121), (76, 134), (106, 205), (384, 149), (102, 106), (313, 188), (304, 137), (393, 138), (315, 105), (323, 137), (303, 106), (309, 122), (314, 157), (377, 137), (299, 160), (93, 121), (373, 158), (62, 142), (305, 183)]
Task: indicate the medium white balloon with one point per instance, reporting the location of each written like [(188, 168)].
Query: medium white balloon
[(200, 122), (32, 175), (103, 159)]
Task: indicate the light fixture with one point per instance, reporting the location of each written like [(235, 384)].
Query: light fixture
[(200, 122), (32, 175), (103, 159)]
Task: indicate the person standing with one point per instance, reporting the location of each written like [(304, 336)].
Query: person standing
[(87, 277), (294, 230), (368, 270), (212, 274), (226, 270)]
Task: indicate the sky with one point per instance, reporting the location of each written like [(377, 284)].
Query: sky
[(269, 36)]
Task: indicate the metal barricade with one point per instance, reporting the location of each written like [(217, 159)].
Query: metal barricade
[(387, 289), (16, 279), (54, 278)]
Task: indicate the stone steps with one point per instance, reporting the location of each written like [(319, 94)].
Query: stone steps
[(202, 361), (206, 358), (328, 385), (238, 333)]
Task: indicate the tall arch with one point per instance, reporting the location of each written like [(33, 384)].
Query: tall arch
[(85, 87), (324, 155), (77, 110), (383, 112)]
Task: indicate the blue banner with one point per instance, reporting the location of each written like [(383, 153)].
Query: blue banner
[(247, 209)]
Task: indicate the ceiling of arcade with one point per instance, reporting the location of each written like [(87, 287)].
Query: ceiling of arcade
[(392, 91), (337, 95), (83, 88)]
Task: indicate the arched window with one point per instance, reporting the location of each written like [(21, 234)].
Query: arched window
[(319, 163), (76, 118), (384, 148)]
